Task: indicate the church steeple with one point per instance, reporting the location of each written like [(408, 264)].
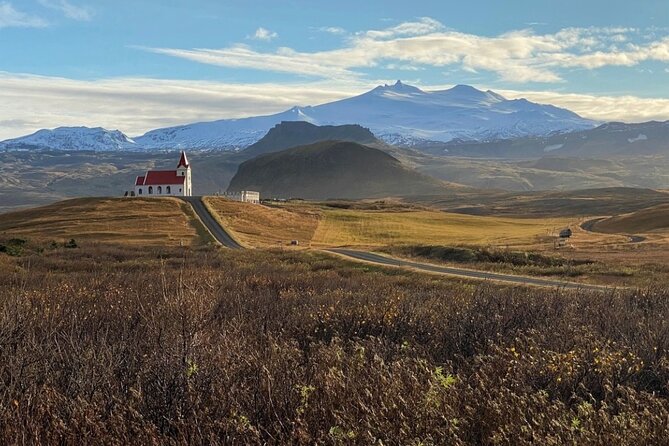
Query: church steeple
[(183, 161), (184, 170)]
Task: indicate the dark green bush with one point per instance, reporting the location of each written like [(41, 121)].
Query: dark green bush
[(487, 255), (13, 247)]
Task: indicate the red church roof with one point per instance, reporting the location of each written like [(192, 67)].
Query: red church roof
[(157, 177), (183, 161)]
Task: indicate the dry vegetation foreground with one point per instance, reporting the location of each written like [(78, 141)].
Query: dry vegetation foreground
[(122, 345)]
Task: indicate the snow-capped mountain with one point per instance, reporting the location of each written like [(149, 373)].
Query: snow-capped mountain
[(73, 138), (226, 134), (398, 114)]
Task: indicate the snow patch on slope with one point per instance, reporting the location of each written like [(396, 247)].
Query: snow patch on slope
[(641, 137)]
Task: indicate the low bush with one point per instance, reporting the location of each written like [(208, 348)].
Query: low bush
[(487, 255), (13, 247)]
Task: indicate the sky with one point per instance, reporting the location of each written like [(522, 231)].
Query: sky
[(136, 65)]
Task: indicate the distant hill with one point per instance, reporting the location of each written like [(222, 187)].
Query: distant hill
[(614, 139), (296, 133), (655, 218), (607, 201), (611, 139), (332, 169)]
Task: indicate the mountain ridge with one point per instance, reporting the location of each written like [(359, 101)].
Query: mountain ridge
[(397, 114), (73, 138)]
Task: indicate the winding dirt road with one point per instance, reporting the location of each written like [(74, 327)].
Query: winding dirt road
[(589, 226)]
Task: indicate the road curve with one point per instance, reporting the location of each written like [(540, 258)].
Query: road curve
[(589, 226), (461, 272), (216, 230)]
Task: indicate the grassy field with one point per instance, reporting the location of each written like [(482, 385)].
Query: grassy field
[(258, 226), (388, 225), (374, 224), (135, 221), (111, 344), (383, 228), (405, 229)]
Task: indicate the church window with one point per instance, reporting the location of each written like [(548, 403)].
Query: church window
[(160, 189), (169, 190), (150, 190), (139, 191)]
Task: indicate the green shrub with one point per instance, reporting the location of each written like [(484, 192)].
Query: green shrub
[(14, 247), (487, 255)]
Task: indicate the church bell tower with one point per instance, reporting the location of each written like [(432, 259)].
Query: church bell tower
[(184, 170)]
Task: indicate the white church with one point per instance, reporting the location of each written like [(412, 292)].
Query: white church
[(174, 183)]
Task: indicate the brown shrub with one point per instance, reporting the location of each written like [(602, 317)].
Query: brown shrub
[(113, 345)]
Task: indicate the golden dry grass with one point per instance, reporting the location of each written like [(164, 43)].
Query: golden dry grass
[(321, 226), (261, 226), (374, 228), (654, 219), (137, 221)]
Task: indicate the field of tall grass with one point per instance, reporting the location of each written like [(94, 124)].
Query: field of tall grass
[(376, 224), (103, 344)]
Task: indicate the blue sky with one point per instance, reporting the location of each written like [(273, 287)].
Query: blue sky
[(136, 65)]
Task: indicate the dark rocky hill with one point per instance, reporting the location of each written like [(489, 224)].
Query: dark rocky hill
[(332, 169)]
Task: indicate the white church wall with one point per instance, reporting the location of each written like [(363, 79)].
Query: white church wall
[(175, 190)]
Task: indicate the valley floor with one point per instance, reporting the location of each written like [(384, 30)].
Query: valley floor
[(508, 244), (502, 244)]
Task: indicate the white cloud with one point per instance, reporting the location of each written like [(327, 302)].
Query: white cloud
[(10, 17), (264, 35), (70, 10), (423, 26), (135, 105), (332, 30), (284, 60), (518, 56), (601, 108)]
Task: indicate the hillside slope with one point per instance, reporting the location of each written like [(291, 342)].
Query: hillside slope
[(655, 218), (137, 221), (332, 169)]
